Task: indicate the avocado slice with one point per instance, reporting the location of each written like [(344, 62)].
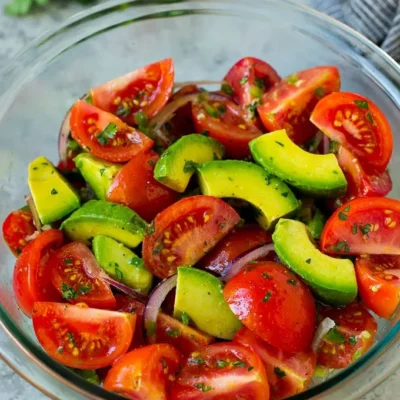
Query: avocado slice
[(313, 174), (177, 164), (97, 173), (99, 217), (246, 181), (122, 264), (199, 295), (333, 280), (52, 194)]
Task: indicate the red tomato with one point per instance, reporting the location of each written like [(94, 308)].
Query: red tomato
[(16, 227), (222, 371), (145, 373), (359, 125), (248, 79), (272, 301), (224, 121), (378, 279), (71, 268), (81, 337), (237, 243), (32, 278), (105, 135), (135, 187), (288, 104), (363, 226), (352, 336), (146, 89), (288, 373), (185, 231), (183, 337)]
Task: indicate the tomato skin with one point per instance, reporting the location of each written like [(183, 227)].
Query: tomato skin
[(203, 377), (334, 115), (363, 226), (145, 373), (378, 288), (237, 243), (32, 279), (184, 231), (82, 337), (150, 87), (357, 329), (16, 227), (134, 186), (272, 301), (71, 267), (298, 368), (87, 122)]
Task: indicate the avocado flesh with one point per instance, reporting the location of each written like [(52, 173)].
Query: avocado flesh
[(97, 173), (172, 169), (333, 280), (52, 194), (199, 294), (122, 264), (99, 217), (313, 174), (243, 180)]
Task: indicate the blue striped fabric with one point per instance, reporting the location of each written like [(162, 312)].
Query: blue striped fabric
[(378, 20)]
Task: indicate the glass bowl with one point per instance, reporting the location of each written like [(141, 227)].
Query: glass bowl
[(204, 38)]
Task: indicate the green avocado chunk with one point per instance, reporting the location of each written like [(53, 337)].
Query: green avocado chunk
[(98, 173), (99, 217), (122, 264), (313, 174), (333, 280), (52, 194), (178, 163), (243, 180), (199, 295)]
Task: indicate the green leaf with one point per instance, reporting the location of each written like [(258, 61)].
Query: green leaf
[(68, 292), (190, 166), (361, 104), (89, 375), (108, 133), (334, 336), (227, 89), (18, 7), (185, 318)]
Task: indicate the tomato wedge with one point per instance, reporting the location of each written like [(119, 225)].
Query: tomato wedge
[(378, 278), (135, 187), (237, 243), (272, 301), (145, 90), (359, 125), (16, 227), (288, 373), (222, 371), (71, 268), (184, 232), (224, 121), (363, 226), (105, 135), (81, 337), (32, 277), (288, 104), (352, 336), (145, 373)]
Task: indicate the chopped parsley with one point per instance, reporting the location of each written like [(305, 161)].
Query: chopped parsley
[(71, 338), (333, 146), (227, 89), (60, 350), (354, 229), (68, 261), (102, 170), (285, 194), (267, 297), (280, 144), (250, 368), (118, 273), (346, 209), (341, 245), (259, 82), (334, 336), (352, 340), (84, 289), (108, 133), (292, 282), (342, 216), (279, 372), (204, 133), (365, 229), (265, 275), (368, 115), (244, 80), (151, 162), (142, 122), (196, 360), (164, 363), (157, 249), (222, 225), (53, 191), (123, 111), (202, 387), (211, 111), (361, 104), (239, 364), (222, 363), (136, 261), (151, 228), (221, 109), (320, 92), (190, 166), (185, 318), (68, 292), (73, 145), (308, 261), (292, 79), (173, 333)]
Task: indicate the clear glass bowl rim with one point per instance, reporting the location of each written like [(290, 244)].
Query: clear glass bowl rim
[(17, 336)]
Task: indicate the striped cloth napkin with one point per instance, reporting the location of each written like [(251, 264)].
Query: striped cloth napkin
[(378, 20)]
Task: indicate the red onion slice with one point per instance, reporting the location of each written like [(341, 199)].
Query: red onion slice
[(252, 256), (325, 144), (35, 215), (323, 328), (142, 298), (178, 85), (153, 306), (63, 137)]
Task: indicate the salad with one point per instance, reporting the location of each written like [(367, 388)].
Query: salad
[(211, 244)]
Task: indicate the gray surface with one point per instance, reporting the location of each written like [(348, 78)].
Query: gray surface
[(14, 34)]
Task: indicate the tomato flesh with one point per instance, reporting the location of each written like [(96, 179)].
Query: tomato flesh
[(378, 278), (182, 233), (272, 301), (288, 104), (288, 373), (81, 337), (352, 336)]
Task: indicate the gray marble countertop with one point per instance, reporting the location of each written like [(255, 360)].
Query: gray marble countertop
[(14, 34)]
